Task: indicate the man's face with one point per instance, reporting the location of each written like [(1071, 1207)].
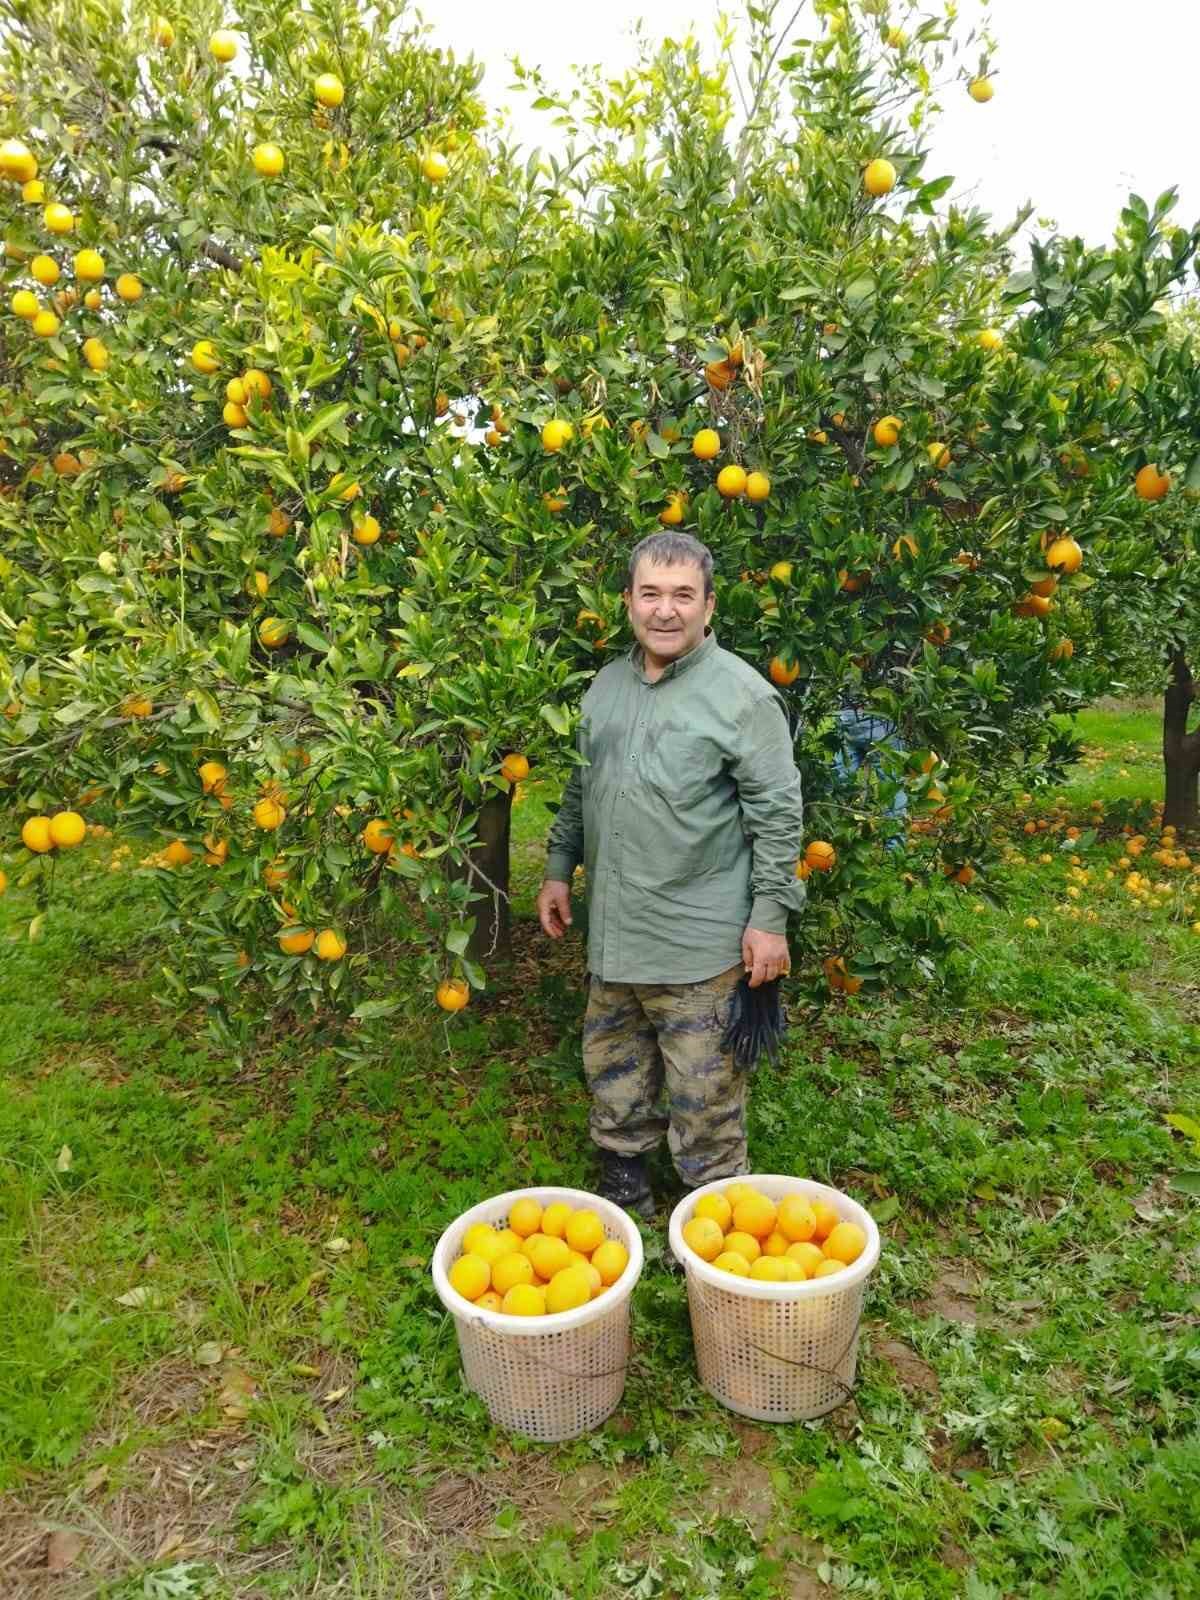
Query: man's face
[(667, 609)]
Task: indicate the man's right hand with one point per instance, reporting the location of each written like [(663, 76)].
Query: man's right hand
[(554, 907)]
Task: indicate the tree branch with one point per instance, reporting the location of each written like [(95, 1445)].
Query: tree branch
[(219, 253)]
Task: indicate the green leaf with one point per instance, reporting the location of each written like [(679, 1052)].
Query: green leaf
[(799, 291), (1184, 1124), (934, 190), (1186, 1182), (313, 637), (558, 719), (886, 1209), (457, 941), (366, 1010), (325, 419), (206, 705), (861, 289)]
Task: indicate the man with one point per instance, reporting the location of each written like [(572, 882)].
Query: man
[(687, 817)]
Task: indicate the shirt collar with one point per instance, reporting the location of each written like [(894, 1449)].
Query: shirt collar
[(681, 664)]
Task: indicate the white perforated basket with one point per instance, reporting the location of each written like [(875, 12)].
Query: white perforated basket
[(551, 1377), (777, 1352)]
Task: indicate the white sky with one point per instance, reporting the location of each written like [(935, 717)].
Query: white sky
[(1093, 97)]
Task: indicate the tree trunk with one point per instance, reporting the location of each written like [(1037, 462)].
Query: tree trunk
[(1181, 749), (490, 856)]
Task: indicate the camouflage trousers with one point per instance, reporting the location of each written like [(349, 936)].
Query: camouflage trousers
[(653, 1062)]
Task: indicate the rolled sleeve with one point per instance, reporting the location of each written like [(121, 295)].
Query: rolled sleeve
[(772, 806), (564, 849)]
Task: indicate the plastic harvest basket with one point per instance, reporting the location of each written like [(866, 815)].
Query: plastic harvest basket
[(778, 1352), (551, 1377)]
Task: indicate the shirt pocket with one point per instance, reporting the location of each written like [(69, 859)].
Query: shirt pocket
[(684, 769)]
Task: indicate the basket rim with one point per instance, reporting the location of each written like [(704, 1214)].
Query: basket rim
[(759, 1289), (464, 1310)]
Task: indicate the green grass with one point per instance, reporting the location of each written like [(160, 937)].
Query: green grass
[(278, 1413)]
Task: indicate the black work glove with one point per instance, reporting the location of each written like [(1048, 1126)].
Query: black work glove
[(757, 1022)]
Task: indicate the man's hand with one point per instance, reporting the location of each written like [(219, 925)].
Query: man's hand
[(554, 907), (765, 955)]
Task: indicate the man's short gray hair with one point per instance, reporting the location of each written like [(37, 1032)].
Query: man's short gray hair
[(667, 549)]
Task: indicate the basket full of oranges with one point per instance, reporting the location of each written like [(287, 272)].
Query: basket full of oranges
[(538, 1282), (776, 1272)]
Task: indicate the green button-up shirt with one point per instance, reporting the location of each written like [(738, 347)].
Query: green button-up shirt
[(687, 816)]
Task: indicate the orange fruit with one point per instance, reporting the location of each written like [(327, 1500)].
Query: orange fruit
[(879, 177), (756, 1215), (268, 815), (706, 444), (776, 1244), (471, 1276), (731, 482), (1065, 554), (797, 1220), (549, 1256), (295, 940), (820, 856), (827, 1268), (555, 434), (378, 836), (702, 1235), (738, 1191), (481, 1239), (568, 1289), (731, 1261), (490, 1301), (886, 431), (36, 835), (212, 776), (675, 509), (511, 1270), (67, 829), (610, 1260), (845, 1243), (827, 1219), (524, 1300), (584, 1232), (1150, 483), (715, 1206), (178, 854), (555, 1218), (768, 1269), (782, 673), (268, 160), (514, 768), (330, 945), (743, 1244), (453, 994), (758, 487), (808, 1255), (526, 1216)]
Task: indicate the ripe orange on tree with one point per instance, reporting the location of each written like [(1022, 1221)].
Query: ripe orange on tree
[(783, 672), (453, 994), (820, 856), (1150, 483)]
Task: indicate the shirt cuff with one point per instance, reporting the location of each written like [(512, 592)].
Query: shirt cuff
[(560, 866), (768, 916)]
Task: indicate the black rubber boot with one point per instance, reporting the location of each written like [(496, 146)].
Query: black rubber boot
[(625, 1180)]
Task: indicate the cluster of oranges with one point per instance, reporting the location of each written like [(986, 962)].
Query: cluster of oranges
[(742, 1232), (546, 1259), (63, 831)]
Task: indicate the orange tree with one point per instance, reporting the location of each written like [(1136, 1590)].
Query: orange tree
[(314, 533)]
